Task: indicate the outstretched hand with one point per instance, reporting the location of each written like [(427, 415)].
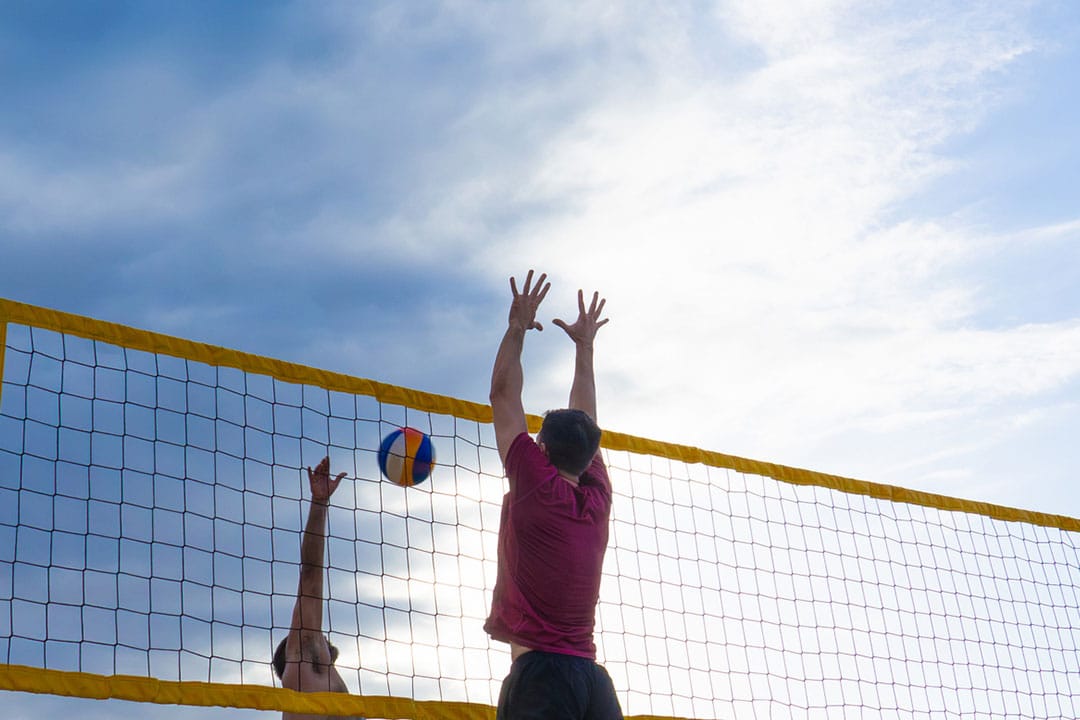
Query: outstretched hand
[(588, 321), (322, 486), (523, 307)]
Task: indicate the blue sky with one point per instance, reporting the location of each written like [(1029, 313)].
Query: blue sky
[(831, 235)]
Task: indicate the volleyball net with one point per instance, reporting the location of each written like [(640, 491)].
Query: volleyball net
[(153, 494)]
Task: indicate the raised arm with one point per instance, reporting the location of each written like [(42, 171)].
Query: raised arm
[(583, 332), (507, 376), (307, 654)]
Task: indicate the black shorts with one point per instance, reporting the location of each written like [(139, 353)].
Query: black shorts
[(550, 686)]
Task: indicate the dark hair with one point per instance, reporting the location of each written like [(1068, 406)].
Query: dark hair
[(279, 656), (571, 438)]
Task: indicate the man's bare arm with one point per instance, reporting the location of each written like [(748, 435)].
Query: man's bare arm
[(583, 332), (507, 376), (306, 642)]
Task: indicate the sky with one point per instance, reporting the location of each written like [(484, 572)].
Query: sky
[(834, 235)]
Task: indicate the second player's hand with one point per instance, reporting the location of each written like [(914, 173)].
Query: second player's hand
[(322, 485)]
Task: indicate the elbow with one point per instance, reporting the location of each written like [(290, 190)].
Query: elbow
[(501, 390)]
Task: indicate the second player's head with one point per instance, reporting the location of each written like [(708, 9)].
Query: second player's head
[(279, 656)]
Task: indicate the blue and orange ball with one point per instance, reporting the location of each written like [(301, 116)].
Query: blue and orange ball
[(406, 456)]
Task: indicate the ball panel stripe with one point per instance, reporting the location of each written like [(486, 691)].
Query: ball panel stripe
[(413, 439), (402, 466), (406, 456)]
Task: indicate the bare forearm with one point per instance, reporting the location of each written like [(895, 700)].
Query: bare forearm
[(583, 388), (507, 376), (312, 554), (507, 379), (313, 542), (582, 332)]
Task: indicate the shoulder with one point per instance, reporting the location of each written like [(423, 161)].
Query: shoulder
[(526, 463), (523, 455)]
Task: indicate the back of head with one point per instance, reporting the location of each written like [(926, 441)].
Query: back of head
[(571, 438), (279, 656)]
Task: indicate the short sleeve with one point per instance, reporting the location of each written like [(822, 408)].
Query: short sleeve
[(526, 464)]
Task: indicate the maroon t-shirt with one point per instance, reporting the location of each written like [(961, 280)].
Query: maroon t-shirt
[(552, 540)]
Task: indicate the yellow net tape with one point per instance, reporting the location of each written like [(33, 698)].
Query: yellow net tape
[(124, 336)]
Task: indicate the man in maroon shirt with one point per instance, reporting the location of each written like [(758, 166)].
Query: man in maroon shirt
[(553, 532)]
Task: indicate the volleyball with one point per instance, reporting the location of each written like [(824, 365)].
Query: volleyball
[(406, 456)]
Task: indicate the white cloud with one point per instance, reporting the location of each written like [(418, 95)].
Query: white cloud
[(738, 182), (44, 199), (767, 294)]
